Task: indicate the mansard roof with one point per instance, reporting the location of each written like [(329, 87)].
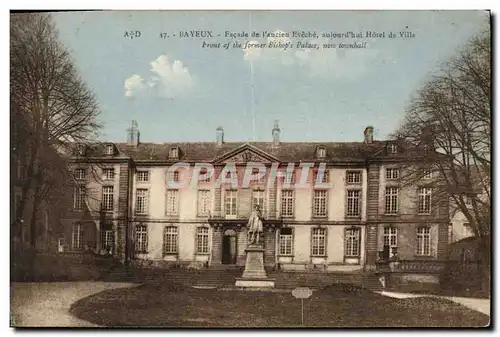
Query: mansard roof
[(284, 152)]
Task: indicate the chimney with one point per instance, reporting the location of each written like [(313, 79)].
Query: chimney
[(368, 135), (133, 135), (276, 133), (219, 132)]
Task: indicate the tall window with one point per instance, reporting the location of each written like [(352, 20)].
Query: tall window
[(141, 239), (352, 242), (170, 240), (202, 240), (393, 148), (260, 180), (319, 203), (287, 203), (318, 246), (353, 177), (353, 203), (142, 176), (286, 241), (77, 236), (109, 173), (423, 241), (79, 198), (323, 179), (450, 232), (141, 201), (204, 172), (390, 236), (107, 240), (204, 202), (391, 200), (321, 152), (107, 198), (258, 199), (174, 152), (172, 207), (392, 173), (289, 177), (424, 200), (230, 200), (80, 174)]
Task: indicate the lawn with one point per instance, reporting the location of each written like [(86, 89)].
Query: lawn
[(166, 304)]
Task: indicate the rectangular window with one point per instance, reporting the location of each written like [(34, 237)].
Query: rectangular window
[(391, 200), (352, 242), (353, 203), (107, 198), (170, 240), (141, 201), (79, 198), (392, 174), (318, 246), (204, 202), (423, 241), (289, 177), (110, 149), (258, 199), (141, 239), (174, 152), (142, 176), (80, 174), (230, 200), (109, 173), (424, 200), (393, 148), (77, 236), (202, 240), (286, 241), (427, 174), (390, 236), (107, 240), (173, 176), (324, 179), (261, 180), (172, 207), (353, 177), (287, 203), (204, 172), (450, 233), (319, 203)]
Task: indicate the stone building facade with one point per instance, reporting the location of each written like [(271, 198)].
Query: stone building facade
[(329, 206)]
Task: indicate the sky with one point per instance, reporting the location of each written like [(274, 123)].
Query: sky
[(178, 90)]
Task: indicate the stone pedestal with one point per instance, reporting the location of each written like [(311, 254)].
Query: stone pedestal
[(254, 274)]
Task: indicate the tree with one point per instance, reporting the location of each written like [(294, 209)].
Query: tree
[(51, 108), (449, 120)]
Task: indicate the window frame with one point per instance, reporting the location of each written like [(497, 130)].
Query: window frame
[(233, 204), (424, 193), (141, 174), (111, 200), (109, 150), (107, 170), (145, 201), (421, 245), (80, 233), (199, 203), (174, 243), (79, 196), (80, 177), (286, 241), (285, 201), (359, 204), (262, 206), (392, 233), (392, 176), (323, 236), (174, 210), (393, 201), (141, 239), (354, 173), (350, 237), (205, 240)]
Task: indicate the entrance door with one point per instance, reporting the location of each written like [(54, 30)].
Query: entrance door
[(229, 247)]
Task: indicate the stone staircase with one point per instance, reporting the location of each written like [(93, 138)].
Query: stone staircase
[(225, 276)]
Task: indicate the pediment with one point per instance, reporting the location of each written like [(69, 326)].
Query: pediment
[(245, 154)]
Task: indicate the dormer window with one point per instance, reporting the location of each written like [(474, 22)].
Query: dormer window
[(174, 152), (321, 152), (81, 150), (110, 149), (393, 148)]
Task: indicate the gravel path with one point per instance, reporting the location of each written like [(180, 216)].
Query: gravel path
[(479, 304), (47, 304)]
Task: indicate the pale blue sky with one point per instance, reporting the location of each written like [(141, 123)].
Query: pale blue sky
[(326, 95)]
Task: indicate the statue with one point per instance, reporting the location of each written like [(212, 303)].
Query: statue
[(254, 226)]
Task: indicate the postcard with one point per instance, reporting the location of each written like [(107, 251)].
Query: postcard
[(246, 169)]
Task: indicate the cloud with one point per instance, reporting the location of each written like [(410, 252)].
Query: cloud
[(168, 80), (349, 63)]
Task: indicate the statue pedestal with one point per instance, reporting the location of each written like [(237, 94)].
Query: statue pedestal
[(254, 274)]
